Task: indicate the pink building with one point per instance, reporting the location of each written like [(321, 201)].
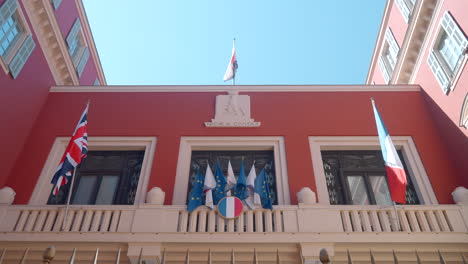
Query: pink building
[(316, 147), (425, 43)]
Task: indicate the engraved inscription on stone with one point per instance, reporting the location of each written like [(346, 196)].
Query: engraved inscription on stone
[(232, 111)]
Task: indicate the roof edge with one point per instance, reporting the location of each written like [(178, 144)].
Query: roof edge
[(231, 89)]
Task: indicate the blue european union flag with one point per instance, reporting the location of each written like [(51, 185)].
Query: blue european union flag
[(261, 187), (241, 186), (196, 194), (219, 191)]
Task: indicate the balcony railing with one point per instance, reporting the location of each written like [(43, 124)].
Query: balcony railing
[(283, 219)]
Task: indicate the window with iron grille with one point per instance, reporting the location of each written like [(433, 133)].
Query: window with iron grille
[(104, 177), (262, 159), (359, 177)]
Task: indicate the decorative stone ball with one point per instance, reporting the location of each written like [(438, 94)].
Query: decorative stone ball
[(306, 196), (155, 196), (460, 195), (7, 195)]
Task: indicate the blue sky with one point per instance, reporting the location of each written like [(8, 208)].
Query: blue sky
[(175, 42)]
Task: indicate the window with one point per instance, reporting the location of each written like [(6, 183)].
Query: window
[(406, 8), (104, 177), (77, 48), (262, 159), (96, 82), (389, 55), (56, 3), (448, 54), (265, 150), (464, 113), (359, 177), (16, 42), (100, 169), (366, 155)]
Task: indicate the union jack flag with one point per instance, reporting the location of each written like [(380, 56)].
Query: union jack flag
[(75, 152)]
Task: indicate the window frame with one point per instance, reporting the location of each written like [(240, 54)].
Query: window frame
[(437, 61), (189, 144), (43, 186), (464, 113), (406, 8), (80, 54), (389, 48), (21, 38), (410, 154)]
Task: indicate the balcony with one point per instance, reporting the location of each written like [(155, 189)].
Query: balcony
[(294, 223)]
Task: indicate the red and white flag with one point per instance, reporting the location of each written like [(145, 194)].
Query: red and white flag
[(232, 67), (396, 175)]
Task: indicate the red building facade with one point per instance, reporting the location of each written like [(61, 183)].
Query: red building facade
[(318, 145)]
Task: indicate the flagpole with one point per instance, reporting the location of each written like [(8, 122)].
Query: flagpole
[(234, 70), (67, 206), (397, 218)]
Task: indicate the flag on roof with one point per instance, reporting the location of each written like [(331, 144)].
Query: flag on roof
[(232, 66), (396, 175), (74, 153)]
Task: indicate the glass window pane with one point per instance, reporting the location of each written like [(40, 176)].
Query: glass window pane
[(84, 190), (107, 189), (357, 189), (381, 191)]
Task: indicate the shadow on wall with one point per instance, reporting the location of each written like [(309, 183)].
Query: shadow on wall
[(452, 136)]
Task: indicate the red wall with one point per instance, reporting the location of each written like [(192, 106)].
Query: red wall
[(20, 102), (294, 115)]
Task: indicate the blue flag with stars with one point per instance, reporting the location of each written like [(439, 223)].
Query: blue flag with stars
[(195, 196), (241, 186), (263, 190), (219, 191)]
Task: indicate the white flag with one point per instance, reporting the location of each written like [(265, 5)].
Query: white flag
[(253, 199), (232, 67), (231, 179), (208, 185)]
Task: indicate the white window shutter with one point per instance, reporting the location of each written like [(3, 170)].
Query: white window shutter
[(81, 65), (438, 72), (456, 34), (393, 45), (56, 3), (383, 69), (405, 11), (7, 9), (21, 56), (73, 34)]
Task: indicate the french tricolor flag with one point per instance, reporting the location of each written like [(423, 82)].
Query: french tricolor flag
[(230, 207), (396, 175)]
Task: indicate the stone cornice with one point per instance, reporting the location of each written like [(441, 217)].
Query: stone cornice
[(240, 88), (412, 43), (46, 29)]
